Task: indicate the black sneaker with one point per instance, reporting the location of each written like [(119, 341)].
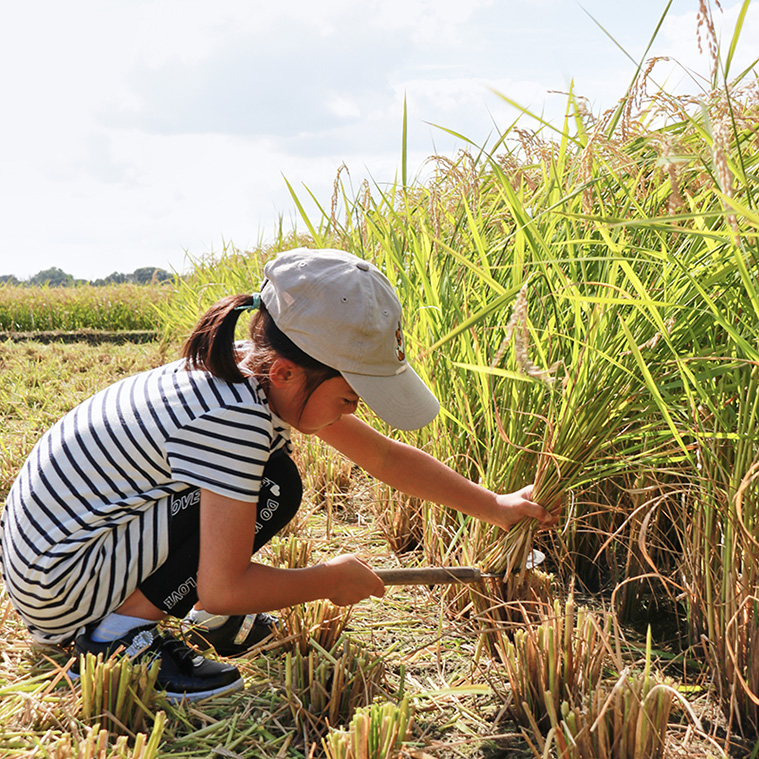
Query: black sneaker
[(183, 673), (237, 635)]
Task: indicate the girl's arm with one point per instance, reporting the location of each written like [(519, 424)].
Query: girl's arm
[(416, 473), (229, 583)]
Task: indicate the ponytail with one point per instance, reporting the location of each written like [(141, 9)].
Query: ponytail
[(210, 346)]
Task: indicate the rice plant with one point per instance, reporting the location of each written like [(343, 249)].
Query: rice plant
[(319, 623), (723, 569), (562, 659), (627, 720), (637, 332), (375, 732), (325, 687), (502, 606), (589, 409), (400, 519), (115, 308), (95, 744), (289, 551), (117, 693), (327, 477)]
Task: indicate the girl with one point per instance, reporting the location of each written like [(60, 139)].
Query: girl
[(148, 499)]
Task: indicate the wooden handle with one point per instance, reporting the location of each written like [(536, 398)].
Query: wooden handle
[(429, 575)]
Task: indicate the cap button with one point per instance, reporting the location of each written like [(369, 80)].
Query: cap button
[(362, 265)]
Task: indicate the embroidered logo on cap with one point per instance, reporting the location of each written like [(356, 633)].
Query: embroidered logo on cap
[(400, 348)]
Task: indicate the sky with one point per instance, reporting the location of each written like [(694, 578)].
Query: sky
[(154, 132)]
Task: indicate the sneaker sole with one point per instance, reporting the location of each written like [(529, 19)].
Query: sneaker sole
[(175, 698)]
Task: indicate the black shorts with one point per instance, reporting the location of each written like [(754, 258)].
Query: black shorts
[(173, 586)]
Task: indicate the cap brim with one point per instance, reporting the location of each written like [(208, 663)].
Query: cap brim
[(402, 400)]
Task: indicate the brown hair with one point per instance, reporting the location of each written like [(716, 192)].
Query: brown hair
[(211, 346)]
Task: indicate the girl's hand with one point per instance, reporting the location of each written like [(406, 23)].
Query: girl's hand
[(353, 581), (512, 507)]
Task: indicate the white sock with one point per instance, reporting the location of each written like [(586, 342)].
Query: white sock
[(116, 626), (209, 621)]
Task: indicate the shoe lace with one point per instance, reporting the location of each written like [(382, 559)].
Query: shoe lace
[(177, 648), (264, 618)]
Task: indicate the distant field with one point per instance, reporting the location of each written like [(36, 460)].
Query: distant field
[(39, 383), (113, 308)]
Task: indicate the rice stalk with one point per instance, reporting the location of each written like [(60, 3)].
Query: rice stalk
[(289, 551), (561, 659), (377, 731), (503, 605), (327, 477), (400, 519), (95, 744), (320, 622), (117, 693), (721, 568), (324, 687), (587, 412), (628, 721)]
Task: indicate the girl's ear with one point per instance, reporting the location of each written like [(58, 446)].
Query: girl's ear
[(282, 372)]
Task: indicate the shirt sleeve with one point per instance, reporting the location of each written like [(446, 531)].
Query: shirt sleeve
[(224, 450)]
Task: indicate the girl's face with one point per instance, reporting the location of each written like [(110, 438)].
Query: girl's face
[(326, 405)]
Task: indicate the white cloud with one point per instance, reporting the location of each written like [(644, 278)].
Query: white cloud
[(344, 107), (427, 22), (136, 129)]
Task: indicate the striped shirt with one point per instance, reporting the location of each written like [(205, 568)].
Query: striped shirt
[(87, 517)]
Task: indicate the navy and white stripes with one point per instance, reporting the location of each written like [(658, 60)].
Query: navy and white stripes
[(87, 517)]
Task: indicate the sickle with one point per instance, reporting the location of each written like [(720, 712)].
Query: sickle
[(447, 575)]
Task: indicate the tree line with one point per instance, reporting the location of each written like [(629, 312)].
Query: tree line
[(55, 277)]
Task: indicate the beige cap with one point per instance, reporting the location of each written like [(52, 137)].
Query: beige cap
[(342, 311)]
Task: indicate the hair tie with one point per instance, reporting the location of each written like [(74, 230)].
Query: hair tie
[(254, 306)]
